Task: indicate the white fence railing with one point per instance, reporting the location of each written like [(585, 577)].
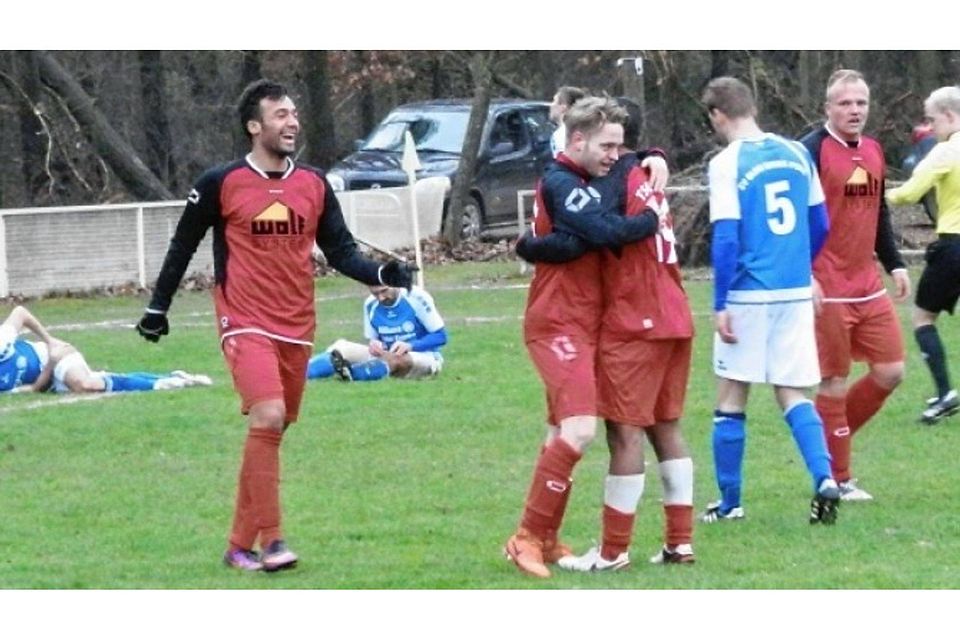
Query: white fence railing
[(48, 249)]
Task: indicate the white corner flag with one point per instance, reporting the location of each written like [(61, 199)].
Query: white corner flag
[(410, 163)]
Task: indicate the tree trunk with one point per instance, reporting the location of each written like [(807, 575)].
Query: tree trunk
[(481, 72), (110, 146), (159, 156), (249, 72), (321, 137), (631, 72), (368, 100), (31, 129)]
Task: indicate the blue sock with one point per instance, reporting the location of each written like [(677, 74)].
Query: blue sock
[(320, 366), (807, 428), (130, 381), (370, 370), (729, 439)]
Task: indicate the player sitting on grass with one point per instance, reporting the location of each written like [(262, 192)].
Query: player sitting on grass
[(405, 333), (52, 364)]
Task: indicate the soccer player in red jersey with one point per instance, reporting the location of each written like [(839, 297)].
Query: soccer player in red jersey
[(646, 334), (562, 319), (266, 212), (855, 317)]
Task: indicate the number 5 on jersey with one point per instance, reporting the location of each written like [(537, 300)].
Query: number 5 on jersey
[(781, 214)]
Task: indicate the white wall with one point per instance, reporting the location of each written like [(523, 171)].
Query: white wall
[(61, 249)]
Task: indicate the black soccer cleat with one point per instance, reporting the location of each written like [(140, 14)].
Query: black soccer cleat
[(826, 501), (340, 366), (938, 408)]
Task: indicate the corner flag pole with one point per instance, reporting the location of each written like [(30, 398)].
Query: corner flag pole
[(410, 163)]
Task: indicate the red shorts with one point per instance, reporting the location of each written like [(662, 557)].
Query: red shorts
[(643, 382), (862, 331), (267, 369), (566, 366)]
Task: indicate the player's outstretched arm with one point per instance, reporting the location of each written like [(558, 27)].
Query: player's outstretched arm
[(556, 247), (200, 213)]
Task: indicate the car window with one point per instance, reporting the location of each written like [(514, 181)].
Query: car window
[(509, 134), (432, 131), (539, 124)]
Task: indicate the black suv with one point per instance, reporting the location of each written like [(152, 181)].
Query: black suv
[(514, 150)]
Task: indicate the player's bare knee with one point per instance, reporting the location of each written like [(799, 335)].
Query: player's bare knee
[(834, 387), (623, 437), (271, 414), (399, 365), (888, 375), (578, 431)]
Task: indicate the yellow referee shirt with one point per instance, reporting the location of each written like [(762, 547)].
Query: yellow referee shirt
[(940, 169)]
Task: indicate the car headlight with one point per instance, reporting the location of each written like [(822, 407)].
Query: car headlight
[(336, 181)]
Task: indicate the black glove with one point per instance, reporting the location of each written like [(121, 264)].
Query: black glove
[(522, 248), (398, 274), (153, 325)]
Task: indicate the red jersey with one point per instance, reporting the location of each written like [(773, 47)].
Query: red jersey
[(265, 225), (852, 179), (564, 299), (642, 287)]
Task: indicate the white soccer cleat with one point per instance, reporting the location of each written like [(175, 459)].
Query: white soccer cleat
[(680, 554), (850, 492), (193, 379), (712, 513), (593, 561), (166, 384)]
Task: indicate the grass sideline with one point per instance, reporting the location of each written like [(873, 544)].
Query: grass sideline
[(419, 484)]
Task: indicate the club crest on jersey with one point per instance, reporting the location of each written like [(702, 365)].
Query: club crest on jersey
[(579, 198), (277, 220), (193, 197)]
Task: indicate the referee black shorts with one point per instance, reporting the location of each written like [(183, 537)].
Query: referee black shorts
[(939, 285)]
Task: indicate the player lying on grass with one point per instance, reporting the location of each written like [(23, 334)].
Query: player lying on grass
[(404, 332), (52, 364)]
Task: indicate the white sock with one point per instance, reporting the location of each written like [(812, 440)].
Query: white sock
[(677, 478), (623, 492)]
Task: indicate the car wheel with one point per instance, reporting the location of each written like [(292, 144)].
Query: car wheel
[(472, 219)]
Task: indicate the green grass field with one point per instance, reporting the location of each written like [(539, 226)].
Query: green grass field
[(417, 485)]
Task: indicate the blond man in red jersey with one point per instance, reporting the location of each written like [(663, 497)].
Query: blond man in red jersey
[(562, 319), (855, 319)]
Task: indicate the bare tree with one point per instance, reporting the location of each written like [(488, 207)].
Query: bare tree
[(321, 136), (110, 146), (159, 156), (481, 64)]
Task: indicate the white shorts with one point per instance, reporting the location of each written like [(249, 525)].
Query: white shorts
[(776, 344), (425, 364), (60, 371)]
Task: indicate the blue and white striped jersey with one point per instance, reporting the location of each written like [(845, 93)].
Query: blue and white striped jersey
[(413, 316), (768, 184)]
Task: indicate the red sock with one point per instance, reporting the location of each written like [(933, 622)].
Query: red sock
[(834, 413), (864, 399), (258, 491), (617, 532), (678, 524), (549, 489)]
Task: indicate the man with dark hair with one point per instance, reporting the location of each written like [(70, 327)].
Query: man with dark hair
[(855, 318), (769, 223), (266, 212), (562, 319), (939, 285)]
